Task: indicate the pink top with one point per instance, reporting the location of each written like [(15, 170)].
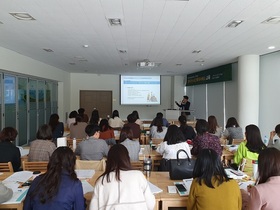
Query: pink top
[(266, 196)]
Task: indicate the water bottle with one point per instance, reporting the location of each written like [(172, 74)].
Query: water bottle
[(148, 166), (265, 140), (74, 144), (255, 169)]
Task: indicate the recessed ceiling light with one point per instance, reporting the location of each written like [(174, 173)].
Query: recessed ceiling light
[(22, 16), (48, 50), (272, 20), (178, 64), (271, 47), (72, 64), (85, 46), (196, 51), (234, 23), (115, 21)]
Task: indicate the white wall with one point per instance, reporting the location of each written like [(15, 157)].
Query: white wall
[(111, 82), (17, 63), (269, 92)]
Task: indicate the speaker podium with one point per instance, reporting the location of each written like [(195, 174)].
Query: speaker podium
[(172, 114)]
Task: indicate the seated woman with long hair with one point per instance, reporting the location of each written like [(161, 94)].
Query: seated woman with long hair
[(158, 130), (58, 188), (265, 195), (173, 141), (214, 128), (132, 145), (211, 187), (120, 187), (77, 129), (106, 132)]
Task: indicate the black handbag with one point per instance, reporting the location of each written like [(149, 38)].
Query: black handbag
[(181, 168)]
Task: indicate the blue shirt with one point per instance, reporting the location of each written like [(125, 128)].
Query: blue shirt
[(69, 197)]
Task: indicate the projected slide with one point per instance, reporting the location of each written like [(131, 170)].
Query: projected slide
[(142, 90)]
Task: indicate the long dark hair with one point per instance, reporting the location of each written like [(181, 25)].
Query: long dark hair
[(183, 124), (94, 117), (135, 113), (117, 159), (54, 120), (126, 133), (208, 165), (104, 125), (115, 114), (232, 122), (158, 123), (254, 139), (62, 159), (174, 135), (44, 132), (268, 164), (213, 124)]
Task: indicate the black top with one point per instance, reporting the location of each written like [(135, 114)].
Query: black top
[(10, 153), (185, 106), (188, 132)]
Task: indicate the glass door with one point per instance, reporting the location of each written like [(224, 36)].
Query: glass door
[(32, 87), (10, 100), (41, 102), (22, 111)]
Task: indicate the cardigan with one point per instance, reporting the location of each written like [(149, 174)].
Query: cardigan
[(132, 192), (265, 196)]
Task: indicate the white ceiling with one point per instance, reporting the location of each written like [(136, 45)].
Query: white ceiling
[(162, 31)]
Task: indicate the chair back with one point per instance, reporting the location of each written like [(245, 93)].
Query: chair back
[(137, 165), (6, 167), (35, 166), (237, 141), (98, 165), (156, 141)]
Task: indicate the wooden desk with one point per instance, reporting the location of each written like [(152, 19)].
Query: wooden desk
[(148, 151)]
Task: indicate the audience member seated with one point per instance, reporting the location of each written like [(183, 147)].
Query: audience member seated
[(173, 141), (265, 194), (5, 193), (274, 140), (187, 130), (72, 118), (132, 145), (164, 121), (81, 112), (77, 129), (134, 127), (233, 131), (93, 148), (94, 119), (59, 187), (42, 148), (120, 187), (138, 121), (9, 152), (214, 127), (158, 131), (250, 148), (106, 132), (115, 121), (57, 127), (204, 140), (211, 187)]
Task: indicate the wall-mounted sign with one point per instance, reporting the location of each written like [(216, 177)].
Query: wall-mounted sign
[(217, 74)]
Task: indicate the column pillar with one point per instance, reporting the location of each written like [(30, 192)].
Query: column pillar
[(248, 90)]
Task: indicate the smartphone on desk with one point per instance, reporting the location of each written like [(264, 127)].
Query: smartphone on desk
[(181, 188)]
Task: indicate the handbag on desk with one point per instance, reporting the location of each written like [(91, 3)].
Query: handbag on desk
[(181, 168)]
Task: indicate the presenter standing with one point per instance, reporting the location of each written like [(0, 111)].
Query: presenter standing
[(185, 105)]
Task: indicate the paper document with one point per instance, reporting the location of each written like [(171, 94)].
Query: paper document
[(20, 176), (154, 188), (188, 183), (83, 174), (87, 187), (244, 185), (18, 196)]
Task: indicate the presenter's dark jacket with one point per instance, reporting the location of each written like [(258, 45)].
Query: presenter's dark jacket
[(10, 153), (185, 106)]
